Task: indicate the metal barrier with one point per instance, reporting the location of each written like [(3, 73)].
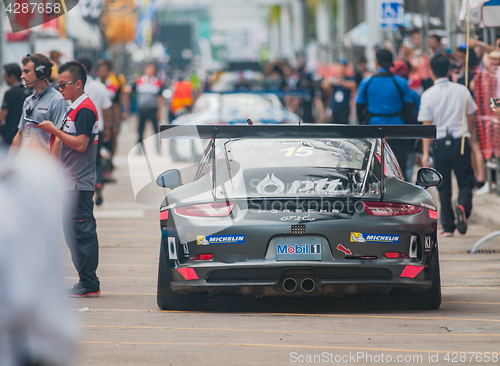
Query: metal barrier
[(484, 240), (488, 130), (488, 124)]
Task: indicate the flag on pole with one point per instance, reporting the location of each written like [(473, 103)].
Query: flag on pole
[(491, 13), (475, 7)]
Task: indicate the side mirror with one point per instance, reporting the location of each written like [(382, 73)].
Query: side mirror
[(169, 179), (428, 177)]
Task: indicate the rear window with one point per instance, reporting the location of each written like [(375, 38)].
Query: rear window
[(247, 101), (334, 153)]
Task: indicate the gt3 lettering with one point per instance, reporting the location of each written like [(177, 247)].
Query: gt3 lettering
[(297, 218)]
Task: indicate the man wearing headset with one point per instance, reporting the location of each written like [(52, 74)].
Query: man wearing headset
[(78, 139), (45, 104)]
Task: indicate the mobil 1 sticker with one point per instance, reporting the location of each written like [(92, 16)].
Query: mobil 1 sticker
[(298, 249)]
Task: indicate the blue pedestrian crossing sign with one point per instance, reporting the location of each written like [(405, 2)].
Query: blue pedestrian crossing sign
[(391, 13)]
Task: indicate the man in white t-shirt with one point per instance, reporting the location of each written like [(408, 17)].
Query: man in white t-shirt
[(443, 106), (99, 94)]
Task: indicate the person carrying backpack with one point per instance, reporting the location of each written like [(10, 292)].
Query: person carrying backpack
[(385, 99)]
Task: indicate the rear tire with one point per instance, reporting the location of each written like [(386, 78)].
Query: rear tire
[(171, 300), (426, 300)]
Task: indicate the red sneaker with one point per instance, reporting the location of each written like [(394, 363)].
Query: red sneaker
[(79, 291), (461, 220)]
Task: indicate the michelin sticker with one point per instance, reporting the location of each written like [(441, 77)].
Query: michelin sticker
[(374, 238), (220, 239)]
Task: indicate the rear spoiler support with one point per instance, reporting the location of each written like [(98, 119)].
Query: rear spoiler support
[(382, 164)]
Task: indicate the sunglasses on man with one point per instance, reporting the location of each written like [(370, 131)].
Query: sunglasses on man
[(62, 86)]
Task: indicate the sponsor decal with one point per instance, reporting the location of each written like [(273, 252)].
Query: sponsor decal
[(357, 238), (344, 249), (299, 249), (220, 239), (271, 185), (185, 249), (430, 207), (333, 210), (427, 243), (172, 248), (168, 207), (373, 238)]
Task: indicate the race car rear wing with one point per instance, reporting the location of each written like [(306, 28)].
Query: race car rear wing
[(301, 131), (297, 131)]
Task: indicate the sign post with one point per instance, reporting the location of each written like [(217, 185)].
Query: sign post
[(391, 13)]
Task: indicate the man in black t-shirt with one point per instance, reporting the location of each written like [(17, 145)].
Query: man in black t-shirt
[(342, 87), (12, 106)]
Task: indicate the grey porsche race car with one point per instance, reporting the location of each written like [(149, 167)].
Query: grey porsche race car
[(298, 211)]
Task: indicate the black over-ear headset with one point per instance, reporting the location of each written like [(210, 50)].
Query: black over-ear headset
[(40, 70)]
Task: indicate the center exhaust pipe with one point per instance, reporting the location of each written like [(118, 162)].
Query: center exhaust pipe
[(308, 285), (289, 285)]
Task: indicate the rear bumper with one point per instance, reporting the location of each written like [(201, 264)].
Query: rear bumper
[(328, 278)]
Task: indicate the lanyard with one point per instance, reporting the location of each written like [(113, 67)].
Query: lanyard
[(65, 120), (36, 100)]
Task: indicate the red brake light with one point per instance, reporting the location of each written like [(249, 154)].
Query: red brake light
[(390, 209), (396, 255), (201, 257), (216, 209)]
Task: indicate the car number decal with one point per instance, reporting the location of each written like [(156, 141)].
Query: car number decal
[(300, 152)]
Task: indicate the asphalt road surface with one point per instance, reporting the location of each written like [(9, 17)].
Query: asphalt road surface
[(124, 326)]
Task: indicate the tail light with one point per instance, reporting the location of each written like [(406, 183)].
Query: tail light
[(396, 255), (216, 209), (201, 257), (390, 209)]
